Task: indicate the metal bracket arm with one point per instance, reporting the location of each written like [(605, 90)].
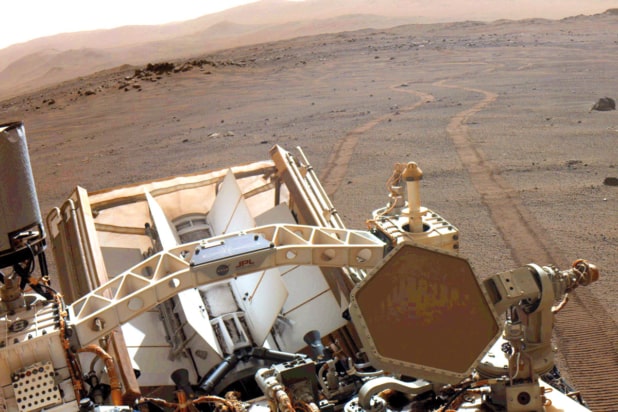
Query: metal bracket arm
[(510, 288), (190, 265)]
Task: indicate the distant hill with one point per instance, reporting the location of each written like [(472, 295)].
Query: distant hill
[(42, 62), (45, 61)]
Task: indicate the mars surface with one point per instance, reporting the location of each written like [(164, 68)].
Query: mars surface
[(498, 116)]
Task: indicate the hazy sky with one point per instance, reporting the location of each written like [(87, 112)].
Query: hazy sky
[(24, 20)]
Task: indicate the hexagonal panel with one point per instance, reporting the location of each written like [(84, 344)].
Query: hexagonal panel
[(423, 313)]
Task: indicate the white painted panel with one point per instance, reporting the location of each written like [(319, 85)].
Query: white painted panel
[(155, 366), (261, 296), (220, 299), (278, 214), (310, 303), (119, 259), (322, 314), (303, 283), (229, 211), (167, 233), (150, 351), (241, 219), (146, 329), (195, 313), (264, 301)]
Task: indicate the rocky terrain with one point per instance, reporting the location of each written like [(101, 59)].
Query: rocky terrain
[(498, 115)]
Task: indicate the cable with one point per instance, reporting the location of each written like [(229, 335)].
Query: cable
[(73, 366), (38, 288), (463, 388), (455, 396), (185, 404), (112, 373)]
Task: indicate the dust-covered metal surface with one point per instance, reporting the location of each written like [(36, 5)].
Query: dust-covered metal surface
[(422, 312)]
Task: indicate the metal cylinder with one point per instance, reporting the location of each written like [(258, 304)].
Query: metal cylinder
[(413, 175), (314, 340), (20, 217)]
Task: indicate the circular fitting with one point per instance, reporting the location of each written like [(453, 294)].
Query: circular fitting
[(412, 172)]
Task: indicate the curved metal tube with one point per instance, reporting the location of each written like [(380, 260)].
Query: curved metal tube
[(114, 380), (377, 385)]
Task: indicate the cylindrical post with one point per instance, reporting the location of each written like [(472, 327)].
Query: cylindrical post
[(412, 176), (20, 220)]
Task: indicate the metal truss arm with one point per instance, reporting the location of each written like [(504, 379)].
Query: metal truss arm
[(190, 265)]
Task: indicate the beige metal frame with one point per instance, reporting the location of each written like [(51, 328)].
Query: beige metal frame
[(169, 272)]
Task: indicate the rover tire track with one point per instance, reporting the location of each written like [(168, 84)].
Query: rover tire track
[(516, 225), (587, 334), (589, 347), (341, 155)]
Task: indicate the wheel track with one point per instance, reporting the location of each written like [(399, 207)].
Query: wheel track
[(586, 332), (589, 346), (515, 224), (341, 155)]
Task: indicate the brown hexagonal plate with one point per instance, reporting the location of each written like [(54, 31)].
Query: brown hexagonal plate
[(422, 312)]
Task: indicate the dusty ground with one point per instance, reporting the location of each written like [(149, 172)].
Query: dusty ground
[(497, 115)]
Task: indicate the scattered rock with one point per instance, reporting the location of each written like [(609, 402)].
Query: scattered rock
[(159, 68), (185, 67), (89, 92), (610, 181), (214, 135), (229, 133), (604, 104), (572, 163)]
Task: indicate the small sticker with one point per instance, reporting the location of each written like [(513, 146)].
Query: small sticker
[(223, 270), (18, 325)]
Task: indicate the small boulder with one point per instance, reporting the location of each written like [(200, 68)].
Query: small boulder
[(604, 104), (610, 181)]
